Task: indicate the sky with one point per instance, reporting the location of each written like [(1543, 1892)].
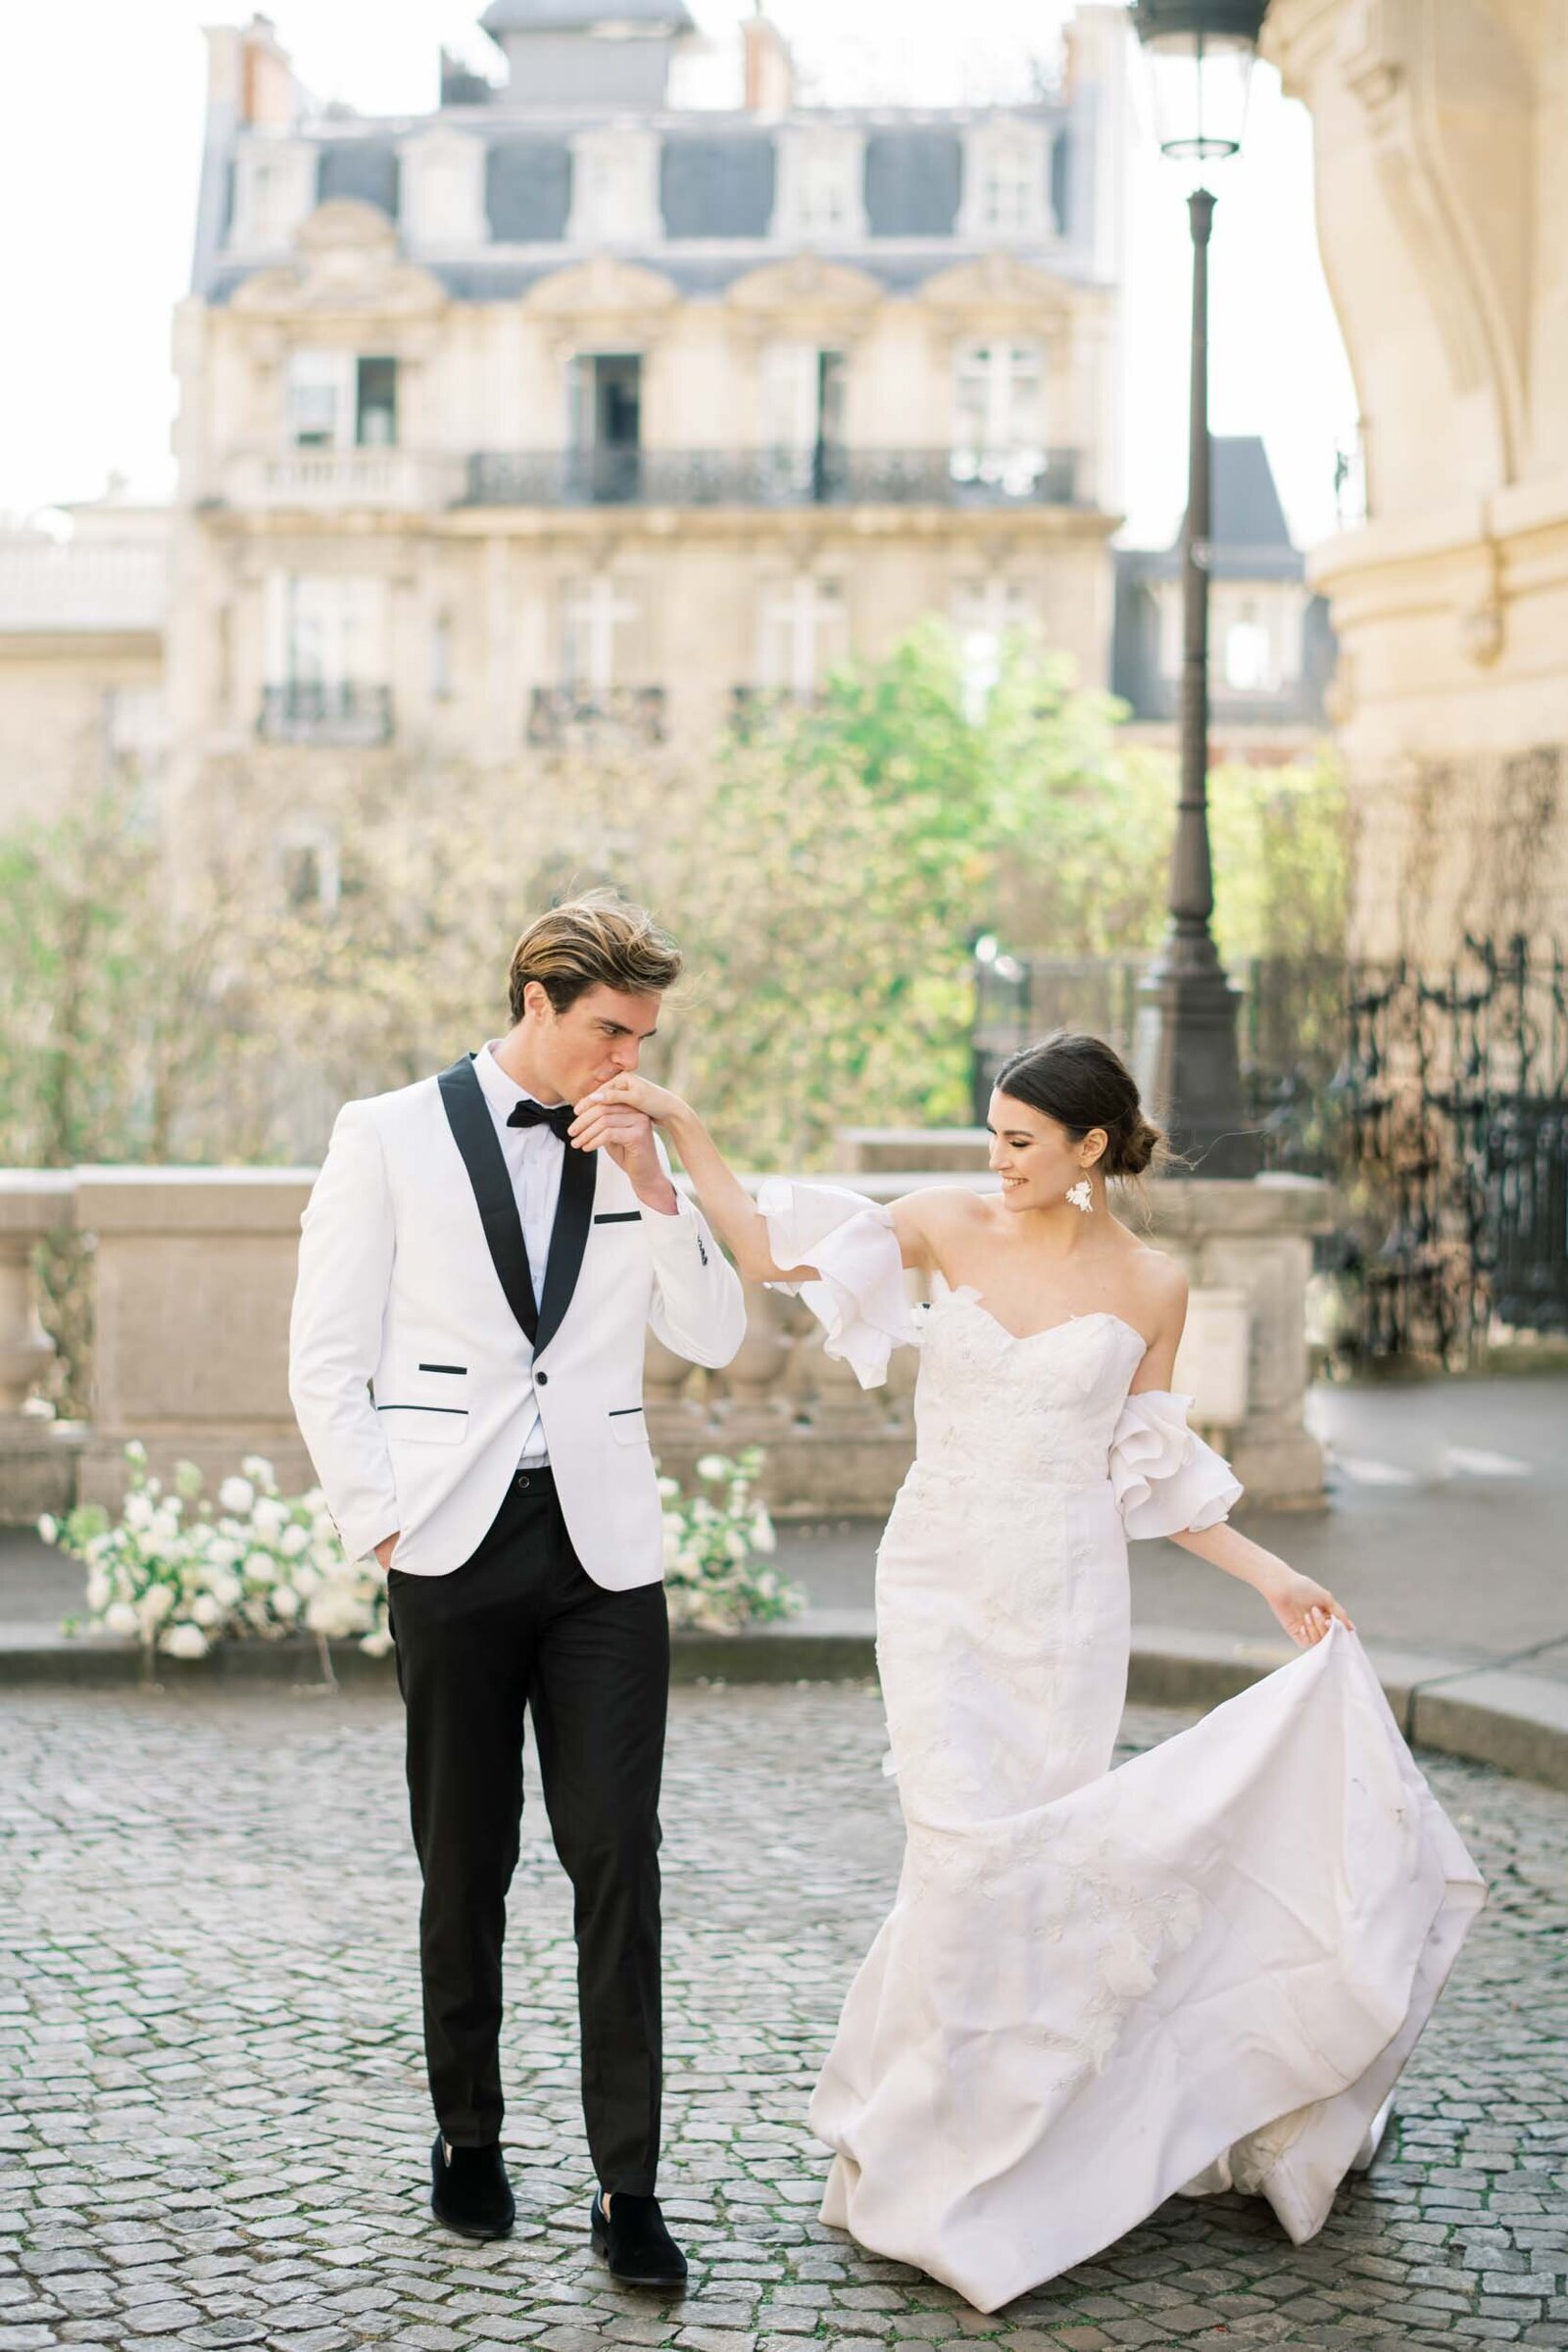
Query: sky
[(100, 143)]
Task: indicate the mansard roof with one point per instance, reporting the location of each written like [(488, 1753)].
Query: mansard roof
[(1248, 538), (1246, 501), (583, 15), (720, 173)]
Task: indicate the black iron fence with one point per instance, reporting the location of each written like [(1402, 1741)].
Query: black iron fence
[(1436, 1100)]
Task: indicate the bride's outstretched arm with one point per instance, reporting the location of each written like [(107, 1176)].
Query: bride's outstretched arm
[(726, 1204)]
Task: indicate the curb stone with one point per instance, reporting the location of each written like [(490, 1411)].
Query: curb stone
[(1487, 1713)]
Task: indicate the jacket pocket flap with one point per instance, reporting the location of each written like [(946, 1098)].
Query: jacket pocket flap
[(426, 1424)]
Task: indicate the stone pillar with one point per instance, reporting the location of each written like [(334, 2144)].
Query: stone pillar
[(1247, 1247), (38, 1455)]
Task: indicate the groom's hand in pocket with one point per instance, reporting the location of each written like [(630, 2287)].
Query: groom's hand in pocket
[(385, 1549)]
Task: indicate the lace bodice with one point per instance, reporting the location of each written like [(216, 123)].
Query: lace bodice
[(1042, 1407), (1052, 1407)]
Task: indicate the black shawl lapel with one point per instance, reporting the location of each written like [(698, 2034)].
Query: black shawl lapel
[(567, 1237), (474, 1133)]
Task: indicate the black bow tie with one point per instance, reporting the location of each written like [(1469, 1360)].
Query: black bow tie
[(556, 1117)]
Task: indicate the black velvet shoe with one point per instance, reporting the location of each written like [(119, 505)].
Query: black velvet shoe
[(633, 2239), (470, 2190)]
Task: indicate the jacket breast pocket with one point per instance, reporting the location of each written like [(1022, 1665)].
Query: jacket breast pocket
[(424, 1424), (628, 1427)]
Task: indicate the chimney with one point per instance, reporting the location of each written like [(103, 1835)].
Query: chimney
[(266, 78), (769, 68)]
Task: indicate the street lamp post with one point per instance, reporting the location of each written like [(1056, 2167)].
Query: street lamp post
[(1202, 53)]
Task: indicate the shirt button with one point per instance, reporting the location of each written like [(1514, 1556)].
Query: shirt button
[(543, 1378)]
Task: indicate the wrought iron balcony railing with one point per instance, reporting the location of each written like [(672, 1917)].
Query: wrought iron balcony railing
[(318, 710), (753, 710), (557, 712), (776, 478)]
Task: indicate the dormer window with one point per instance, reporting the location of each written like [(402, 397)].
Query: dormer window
[(614, 187), (443, 190), (275, 190), (821, 171), (1007, 181), (1248, 654), (342, 399)]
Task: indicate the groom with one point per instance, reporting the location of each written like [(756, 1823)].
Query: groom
[(466, 1364)]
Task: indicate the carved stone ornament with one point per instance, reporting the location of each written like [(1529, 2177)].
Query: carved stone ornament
[(347, 263), (1480, 632), (998, 291), (603, 288), (807, 281)]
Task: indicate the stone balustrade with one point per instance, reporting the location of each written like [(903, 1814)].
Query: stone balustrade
[(395, 481), (194, 1272), (48, 585)]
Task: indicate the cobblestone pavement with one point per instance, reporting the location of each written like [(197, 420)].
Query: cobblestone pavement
[(219, 2125)]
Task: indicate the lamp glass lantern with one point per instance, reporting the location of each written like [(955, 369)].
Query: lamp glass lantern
[(1201, 55)]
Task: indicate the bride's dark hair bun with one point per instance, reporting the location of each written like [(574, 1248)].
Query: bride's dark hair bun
[(1081, 1082)]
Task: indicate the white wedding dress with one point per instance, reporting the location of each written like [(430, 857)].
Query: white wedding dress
[(1204, 1970)]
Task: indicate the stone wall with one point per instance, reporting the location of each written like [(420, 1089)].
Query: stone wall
[(194, 1272)]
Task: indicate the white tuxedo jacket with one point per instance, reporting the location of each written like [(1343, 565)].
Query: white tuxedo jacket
[(415, 1327)]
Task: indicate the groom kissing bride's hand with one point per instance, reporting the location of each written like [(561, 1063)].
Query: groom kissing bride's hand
[(471, 1371), (622, 1125)]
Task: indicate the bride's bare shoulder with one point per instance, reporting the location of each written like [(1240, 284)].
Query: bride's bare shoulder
[(930, 1220), (939, 1208), (1162, 1282)]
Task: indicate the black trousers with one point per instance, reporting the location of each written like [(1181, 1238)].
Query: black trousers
[(521, 1626)]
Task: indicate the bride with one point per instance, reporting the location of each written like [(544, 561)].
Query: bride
[(1204, 1970)]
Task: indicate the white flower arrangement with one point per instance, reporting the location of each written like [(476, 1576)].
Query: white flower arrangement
[(178, 1575), (715, 1578)]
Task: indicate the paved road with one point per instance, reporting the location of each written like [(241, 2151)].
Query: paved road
[(217, 2128)]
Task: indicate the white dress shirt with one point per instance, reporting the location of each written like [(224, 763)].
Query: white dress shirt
[(534, 1161)]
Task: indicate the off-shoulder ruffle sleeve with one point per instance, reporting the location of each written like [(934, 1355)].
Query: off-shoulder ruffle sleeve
[(1167, 1481), (860, 1299)]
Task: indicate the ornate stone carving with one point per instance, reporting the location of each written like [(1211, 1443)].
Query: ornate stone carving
[(347, 263)]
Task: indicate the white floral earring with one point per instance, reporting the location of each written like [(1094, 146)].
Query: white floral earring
[(1081, 1195)]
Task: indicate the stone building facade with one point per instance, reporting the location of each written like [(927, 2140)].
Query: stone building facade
[(1441, 130), (565, 407)]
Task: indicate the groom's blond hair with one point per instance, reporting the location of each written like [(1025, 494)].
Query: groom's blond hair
[(599, 940)]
